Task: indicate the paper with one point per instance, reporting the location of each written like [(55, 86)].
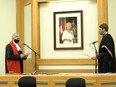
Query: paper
[(27, 54), (87, 55)]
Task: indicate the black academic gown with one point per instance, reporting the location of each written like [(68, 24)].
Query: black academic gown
[(106, 56), (9, 55)]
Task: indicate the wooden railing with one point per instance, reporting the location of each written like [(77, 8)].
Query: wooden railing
[(65, 62)]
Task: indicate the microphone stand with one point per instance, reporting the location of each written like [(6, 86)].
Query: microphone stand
[(96, 58), (35, 55)]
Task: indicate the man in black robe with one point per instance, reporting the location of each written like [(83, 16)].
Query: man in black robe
[(106, 54), (14, 56)]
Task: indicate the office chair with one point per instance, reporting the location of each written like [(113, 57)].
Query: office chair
[(75, 82), (27, 81)]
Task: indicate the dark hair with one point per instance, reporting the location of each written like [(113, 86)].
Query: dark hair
[(104, 26)]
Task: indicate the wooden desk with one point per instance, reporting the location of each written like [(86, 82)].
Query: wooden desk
[(58, 80)]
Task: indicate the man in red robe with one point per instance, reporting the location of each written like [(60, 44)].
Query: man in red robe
[(14, 56)]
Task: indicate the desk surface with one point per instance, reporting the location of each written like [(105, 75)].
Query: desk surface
[(59, 79)]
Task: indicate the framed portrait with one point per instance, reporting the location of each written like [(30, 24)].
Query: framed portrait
[(68, 30)]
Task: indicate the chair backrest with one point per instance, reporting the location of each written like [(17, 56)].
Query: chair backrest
[(75, 82), (27, 81)]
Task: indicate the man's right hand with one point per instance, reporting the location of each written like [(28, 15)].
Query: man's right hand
[(22, 55), (94, 58)]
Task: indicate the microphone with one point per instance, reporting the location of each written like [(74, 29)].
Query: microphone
[(27, 46), (93, 42), (30, 48), (23, 43)]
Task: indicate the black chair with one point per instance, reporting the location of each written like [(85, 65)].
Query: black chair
[(27, 81), (75, 82)]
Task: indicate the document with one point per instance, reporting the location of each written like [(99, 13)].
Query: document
[(27, 54)]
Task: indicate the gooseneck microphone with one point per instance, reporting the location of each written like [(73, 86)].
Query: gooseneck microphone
[(95, 54), (93, 42), (35, 55), (30, 48), (23, 43)]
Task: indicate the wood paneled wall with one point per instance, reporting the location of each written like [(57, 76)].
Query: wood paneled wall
[(66, 62), (35, 9), (102, 13)]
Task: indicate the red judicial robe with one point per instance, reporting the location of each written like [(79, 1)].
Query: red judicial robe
[(13, 60)]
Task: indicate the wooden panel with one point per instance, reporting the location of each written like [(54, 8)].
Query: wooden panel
[(58, 80), (29, 65), (105, 81), (42, 83), (102, 11), (20, 19), (61, 83), (35, 30), (20, 30), (102, 14), (65, 62), (44, 1), (49, 71), (3, 83), (69, 62)]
